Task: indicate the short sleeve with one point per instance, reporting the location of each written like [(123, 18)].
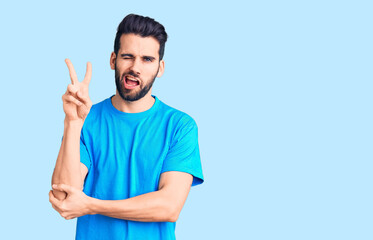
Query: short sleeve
[(84, 156), (184, 155)]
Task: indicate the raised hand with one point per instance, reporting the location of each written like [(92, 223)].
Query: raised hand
[(76, 101)]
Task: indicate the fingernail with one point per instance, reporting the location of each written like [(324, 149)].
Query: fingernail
[(54, 185)]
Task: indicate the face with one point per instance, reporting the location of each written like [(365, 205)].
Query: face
[(136, 66)]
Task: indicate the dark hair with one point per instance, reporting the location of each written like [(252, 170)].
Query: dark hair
[(143, 26)]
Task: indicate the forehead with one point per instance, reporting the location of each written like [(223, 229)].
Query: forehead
[(137, 45)]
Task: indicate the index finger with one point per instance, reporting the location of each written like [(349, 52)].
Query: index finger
[(73, 76), (88, 74)]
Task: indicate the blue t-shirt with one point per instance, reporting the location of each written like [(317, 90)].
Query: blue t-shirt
[(125, 154)]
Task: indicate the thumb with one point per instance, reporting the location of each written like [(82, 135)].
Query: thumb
[(62, 187)]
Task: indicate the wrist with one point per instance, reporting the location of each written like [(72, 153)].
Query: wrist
[(73, 123), (92, 205)]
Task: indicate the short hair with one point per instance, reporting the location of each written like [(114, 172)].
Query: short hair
[(143, 26)]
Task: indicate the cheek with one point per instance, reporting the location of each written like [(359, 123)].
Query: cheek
[(122, 68), (151, 69)]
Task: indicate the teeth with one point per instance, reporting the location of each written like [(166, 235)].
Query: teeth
[(133, 79)]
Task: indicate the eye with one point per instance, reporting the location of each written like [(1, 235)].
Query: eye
[(147, 59)]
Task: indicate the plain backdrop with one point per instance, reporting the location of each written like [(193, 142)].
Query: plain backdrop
[(281, 92)]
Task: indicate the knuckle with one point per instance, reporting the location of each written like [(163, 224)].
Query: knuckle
[(71, 88), (71, 99)]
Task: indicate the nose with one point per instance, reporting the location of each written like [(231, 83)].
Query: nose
[(136, 66)]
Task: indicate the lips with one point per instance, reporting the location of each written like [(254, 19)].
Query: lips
[(130, 82)]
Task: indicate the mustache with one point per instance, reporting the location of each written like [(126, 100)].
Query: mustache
[(132, 73)]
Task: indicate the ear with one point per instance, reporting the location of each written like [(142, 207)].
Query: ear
[(161, 68), (113, 58)]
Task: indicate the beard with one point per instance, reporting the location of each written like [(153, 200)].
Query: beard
[(130, 94)]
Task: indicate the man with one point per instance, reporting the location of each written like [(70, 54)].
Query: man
[(138, 156)]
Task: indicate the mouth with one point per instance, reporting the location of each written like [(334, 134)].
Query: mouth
[(130, 82)]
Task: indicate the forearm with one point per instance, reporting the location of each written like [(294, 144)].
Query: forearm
[(149, 207), (67, 169)]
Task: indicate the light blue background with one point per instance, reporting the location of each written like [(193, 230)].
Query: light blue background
[(281, 92)]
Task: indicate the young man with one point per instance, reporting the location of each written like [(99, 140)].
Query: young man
[(126, 164)]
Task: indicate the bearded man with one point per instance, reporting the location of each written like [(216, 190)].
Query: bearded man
[(127, 163)]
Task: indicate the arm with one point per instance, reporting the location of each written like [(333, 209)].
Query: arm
[(76, 104), (163, 205), (68, 166)]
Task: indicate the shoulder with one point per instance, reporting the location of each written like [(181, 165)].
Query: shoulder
[(95, 112), (176, 117), (181, 126)]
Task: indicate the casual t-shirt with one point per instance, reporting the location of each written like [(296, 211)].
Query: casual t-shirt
[(125, 154)]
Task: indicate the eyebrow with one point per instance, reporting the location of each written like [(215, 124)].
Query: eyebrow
[(130, 55)]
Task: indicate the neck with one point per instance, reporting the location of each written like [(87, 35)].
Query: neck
[(140, 105)]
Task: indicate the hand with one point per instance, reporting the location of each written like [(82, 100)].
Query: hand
[(76, 204), (76, 101)]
